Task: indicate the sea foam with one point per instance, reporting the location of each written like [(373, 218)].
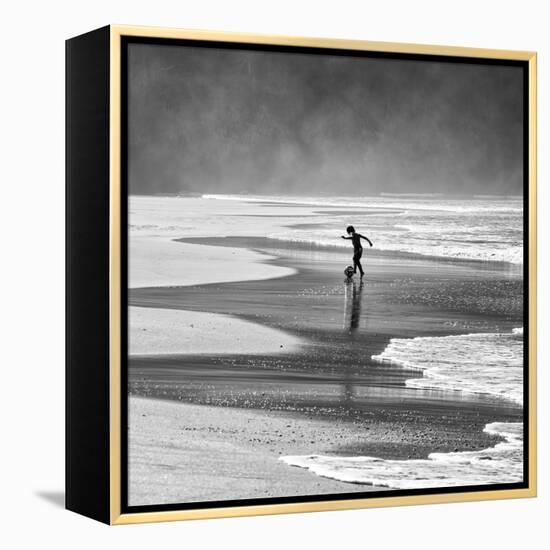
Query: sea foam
[(486, 363), (404, 201), (502, 463), (489, 230)]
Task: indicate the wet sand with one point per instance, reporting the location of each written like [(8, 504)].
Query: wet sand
[(400, 296), (181, 452), (155, 331), (193, 453), (343, 402)]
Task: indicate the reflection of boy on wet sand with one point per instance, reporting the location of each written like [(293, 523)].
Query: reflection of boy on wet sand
[(352, 313), (352, 320), (357, 248)]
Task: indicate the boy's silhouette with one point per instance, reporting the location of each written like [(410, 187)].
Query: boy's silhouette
[(357, 248)]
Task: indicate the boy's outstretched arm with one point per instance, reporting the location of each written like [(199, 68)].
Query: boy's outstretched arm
[(347, 238), (366, 239)]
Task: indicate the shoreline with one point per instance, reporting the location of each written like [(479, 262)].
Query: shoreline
[(180, 452), (387, 419), (503, 462), (328, 390), (183, 452), (374, 252), (429, 285)]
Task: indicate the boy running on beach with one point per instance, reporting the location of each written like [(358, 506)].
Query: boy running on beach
[(357, 248)]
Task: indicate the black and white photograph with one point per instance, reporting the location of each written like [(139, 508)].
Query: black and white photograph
[(326, 274), (275, 274)]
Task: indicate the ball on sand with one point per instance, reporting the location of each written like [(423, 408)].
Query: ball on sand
[(348, 271)]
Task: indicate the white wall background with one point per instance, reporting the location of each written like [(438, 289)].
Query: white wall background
[(32, 252)]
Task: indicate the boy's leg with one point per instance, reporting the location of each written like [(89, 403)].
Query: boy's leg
[(357, 263)]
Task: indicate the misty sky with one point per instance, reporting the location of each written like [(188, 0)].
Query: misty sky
[(231, 121)]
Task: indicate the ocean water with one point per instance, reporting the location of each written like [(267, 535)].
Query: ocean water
[(490, 364), (477, 228), (502, 463), (484, 228)]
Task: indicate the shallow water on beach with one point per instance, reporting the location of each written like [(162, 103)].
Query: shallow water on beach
[(477, 228), (485, 364), (502, 463), (490, 364), (426, 330)]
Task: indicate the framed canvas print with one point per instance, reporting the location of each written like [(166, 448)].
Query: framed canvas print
[(300, 274)]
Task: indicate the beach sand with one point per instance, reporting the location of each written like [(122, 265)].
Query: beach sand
[(156, 261), (172, 331), (229, 416), (181, 452), (192, 453)]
